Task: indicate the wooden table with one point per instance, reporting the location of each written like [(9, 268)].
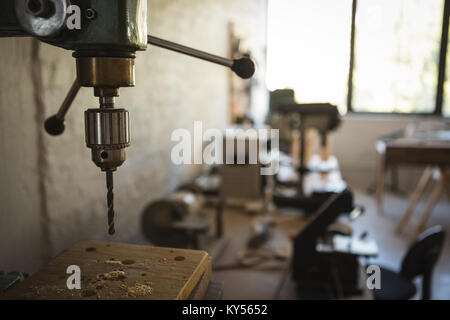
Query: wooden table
[(120, 271), (433, 154)]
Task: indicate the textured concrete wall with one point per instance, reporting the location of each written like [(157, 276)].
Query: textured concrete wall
[(51, 194), (20, 218)]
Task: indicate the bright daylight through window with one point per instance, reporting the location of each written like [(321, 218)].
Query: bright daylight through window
[(310, 52), (396, 58)]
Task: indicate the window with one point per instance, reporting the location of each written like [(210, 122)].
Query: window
[(393, 58), (309, 49), (446, 103), (397, 45)]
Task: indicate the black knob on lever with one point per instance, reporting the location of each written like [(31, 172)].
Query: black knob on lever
[(55, 125), (243, 67)]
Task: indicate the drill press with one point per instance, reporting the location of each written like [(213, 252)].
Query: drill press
[(104, 43)]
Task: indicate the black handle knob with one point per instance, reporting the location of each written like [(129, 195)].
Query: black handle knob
[(54, 125), (244, 67)]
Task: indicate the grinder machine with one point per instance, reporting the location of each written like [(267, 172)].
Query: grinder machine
[(104, 46)]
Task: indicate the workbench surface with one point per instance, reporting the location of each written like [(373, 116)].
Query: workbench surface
[(120, 271)]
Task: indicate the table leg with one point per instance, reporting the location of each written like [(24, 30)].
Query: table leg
[(394, 179), (435, 196), (415, 197), (380, 172)]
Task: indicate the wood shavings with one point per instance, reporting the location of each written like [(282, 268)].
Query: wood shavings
[(113, 262), (139, 290), (46, 290), (113, 276)]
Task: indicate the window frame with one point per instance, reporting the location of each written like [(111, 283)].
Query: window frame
[(441, 68)]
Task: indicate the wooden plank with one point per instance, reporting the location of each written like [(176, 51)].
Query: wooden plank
[(120, 271), (418, 153)]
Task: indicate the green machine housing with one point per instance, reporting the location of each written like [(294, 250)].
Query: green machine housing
[(105, 25)]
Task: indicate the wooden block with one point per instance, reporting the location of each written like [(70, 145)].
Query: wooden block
[(120, 271)]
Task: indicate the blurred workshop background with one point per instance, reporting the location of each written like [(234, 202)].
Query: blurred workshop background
[(381, 63)]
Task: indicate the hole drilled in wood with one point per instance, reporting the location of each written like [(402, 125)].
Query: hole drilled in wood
[(88, 293)]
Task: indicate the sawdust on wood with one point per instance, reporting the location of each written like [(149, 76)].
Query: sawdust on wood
[(139, 290), (113, 262), (113, 276), (45, 290)]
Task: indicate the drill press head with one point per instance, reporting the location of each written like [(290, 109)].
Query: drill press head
[(107, 127), (104, 43)]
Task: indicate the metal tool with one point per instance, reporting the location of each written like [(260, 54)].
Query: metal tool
[(243, 67), (104, 45), (176, 221)]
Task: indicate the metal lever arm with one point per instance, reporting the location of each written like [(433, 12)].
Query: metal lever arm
[(243, 67), (55, 125)]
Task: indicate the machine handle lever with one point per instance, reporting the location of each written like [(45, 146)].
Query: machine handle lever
[(55, 125), (243, 67)]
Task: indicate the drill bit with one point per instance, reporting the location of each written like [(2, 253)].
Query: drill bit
[(110, 200)]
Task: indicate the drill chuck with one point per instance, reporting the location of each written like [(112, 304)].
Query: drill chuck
[(107, 134)]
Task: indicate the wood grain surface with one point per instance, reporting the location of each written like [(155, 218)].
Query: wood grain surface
[(120, 271)]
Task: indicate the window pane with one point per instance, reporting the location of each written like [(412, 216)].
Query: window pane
[(397, 55), (309, 49), (446, 102)]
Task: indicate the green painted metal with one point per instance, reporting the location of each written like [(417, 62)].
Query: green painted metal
[(9, 26), (118, 25)]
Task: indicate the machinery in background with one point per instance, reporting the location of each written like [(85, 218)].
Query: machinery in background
[(177, 221), (308, 183), (104, 45), (244, 157), (209, 181), (326, 253), (325, 262)]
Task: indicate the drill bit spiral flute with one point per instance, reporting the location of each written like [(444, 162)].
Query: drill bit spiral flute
[(104, 44)]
